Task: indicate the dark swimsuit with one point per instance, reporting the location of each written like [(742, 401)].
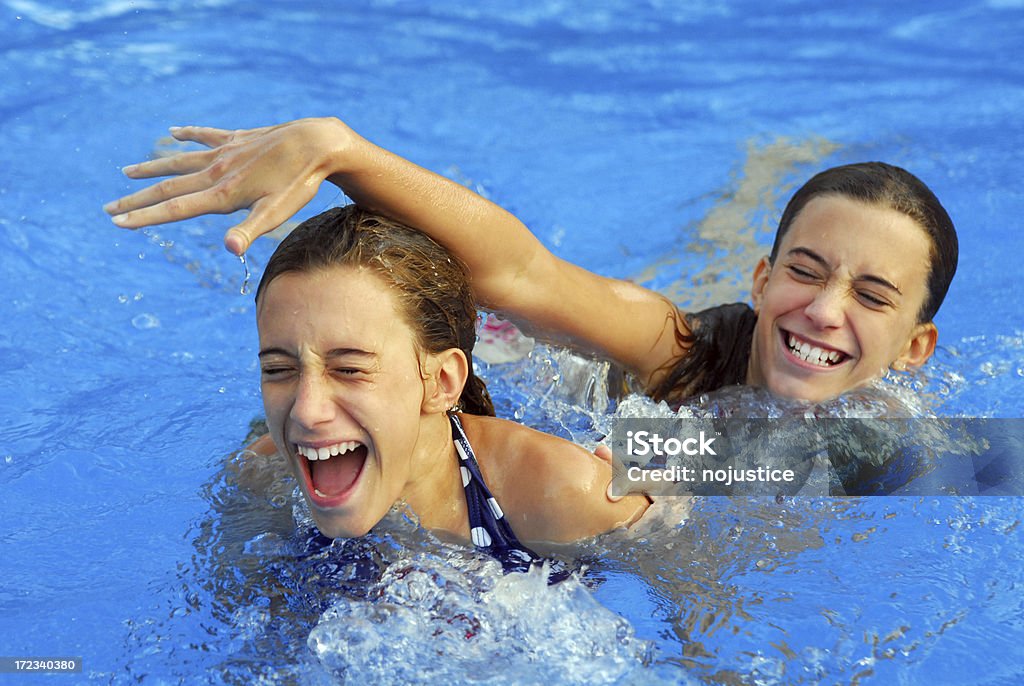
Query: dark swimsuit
[(488, 527)]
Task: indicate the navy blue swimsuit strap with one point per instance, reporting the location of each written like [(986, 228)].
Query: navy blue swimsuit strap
[(488, 526)]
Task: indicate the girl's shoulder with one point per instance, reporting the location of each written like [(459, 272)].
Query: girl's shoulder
[(551, 489)]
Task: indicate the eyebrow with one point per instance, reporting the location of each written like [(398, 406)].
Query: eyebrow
[(336, 352), (810, 254)]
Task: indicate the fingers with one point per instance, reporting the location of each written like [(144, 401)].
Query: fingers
[(157, 193), (182, 163), (214, 137), (243, 169), (207, 201), (187, 162), (206, 135)]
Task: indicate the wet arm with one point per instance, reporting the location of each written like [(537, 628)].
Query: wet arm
[(512, 272), (275, 171)]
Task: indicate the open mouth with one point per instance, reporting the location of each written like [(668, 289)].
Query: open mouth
[(333, 470), (813, 354)]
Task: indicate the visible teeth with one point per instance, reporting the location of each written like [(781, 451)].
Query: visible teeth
[(327, 452), (317, 491), (812, 354)]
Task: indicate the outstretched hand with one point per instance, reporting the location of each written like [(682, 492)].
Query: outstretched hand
[(272, 171)]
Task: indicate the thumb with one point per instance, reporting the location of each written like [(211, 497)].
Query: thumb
[(604, 453), (237, 240), (240, 236), (267, 214)]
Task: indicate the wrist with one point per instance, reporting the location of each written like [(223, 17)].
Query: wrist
[(340, 151)]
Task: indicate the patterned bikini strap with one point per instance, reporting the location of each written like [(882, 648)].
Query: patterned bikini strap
[(488, 527)]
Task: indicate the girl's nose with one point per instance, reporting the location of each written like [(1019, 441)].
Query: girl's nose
[(313, 404), (826, 310)]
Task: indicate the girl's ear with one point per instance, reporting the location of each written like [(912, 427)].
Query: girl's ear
[(761, 273), (919, 348), (445, 375)]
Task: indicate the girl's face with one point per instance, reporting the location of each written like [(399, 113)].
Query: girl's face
[(343, 392), (840, 304)]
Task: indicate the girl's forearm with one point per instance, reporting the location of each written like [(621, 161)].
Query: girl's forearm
[(498, 248)]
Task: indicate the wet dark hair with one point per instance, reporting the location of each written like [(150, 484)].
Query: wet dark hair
[(716, 344), (883, 184), (432, 286)]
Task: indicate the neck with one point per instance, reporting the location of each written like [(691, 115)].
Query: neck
[(753, 376), (434, 490)]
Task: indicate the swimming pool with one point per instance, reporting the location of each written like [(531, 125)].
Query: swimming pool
[(129, 375)]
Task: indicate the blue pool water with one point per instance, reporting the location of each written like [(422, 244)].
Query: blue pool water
[(651, 140)]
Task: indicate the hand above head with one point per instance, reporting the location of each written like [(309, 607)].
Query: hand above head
[(272, 171), (275, 171)]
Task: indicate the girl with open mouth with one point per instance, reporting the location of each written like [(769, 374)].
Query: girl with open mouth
[(366, 334)]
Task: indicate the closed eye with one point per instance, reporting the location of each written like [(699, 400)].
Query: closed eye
[(276, 371), (873, 300), (802, 273)]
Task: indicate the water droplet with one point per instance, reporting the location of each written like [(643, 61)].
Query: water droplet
[(145, 321), (245, 278)]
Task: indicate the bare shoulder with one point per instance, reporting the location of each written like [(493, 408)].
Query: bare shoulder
[(551, 489), (511, 442), (510, 452)]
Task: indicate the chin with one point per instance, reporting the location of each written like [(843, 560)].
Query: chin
[(340, 532), (801, 391), (332, 528)]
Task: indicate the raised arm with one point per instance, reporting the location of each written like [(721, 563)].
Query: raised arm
[(275, 171)]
